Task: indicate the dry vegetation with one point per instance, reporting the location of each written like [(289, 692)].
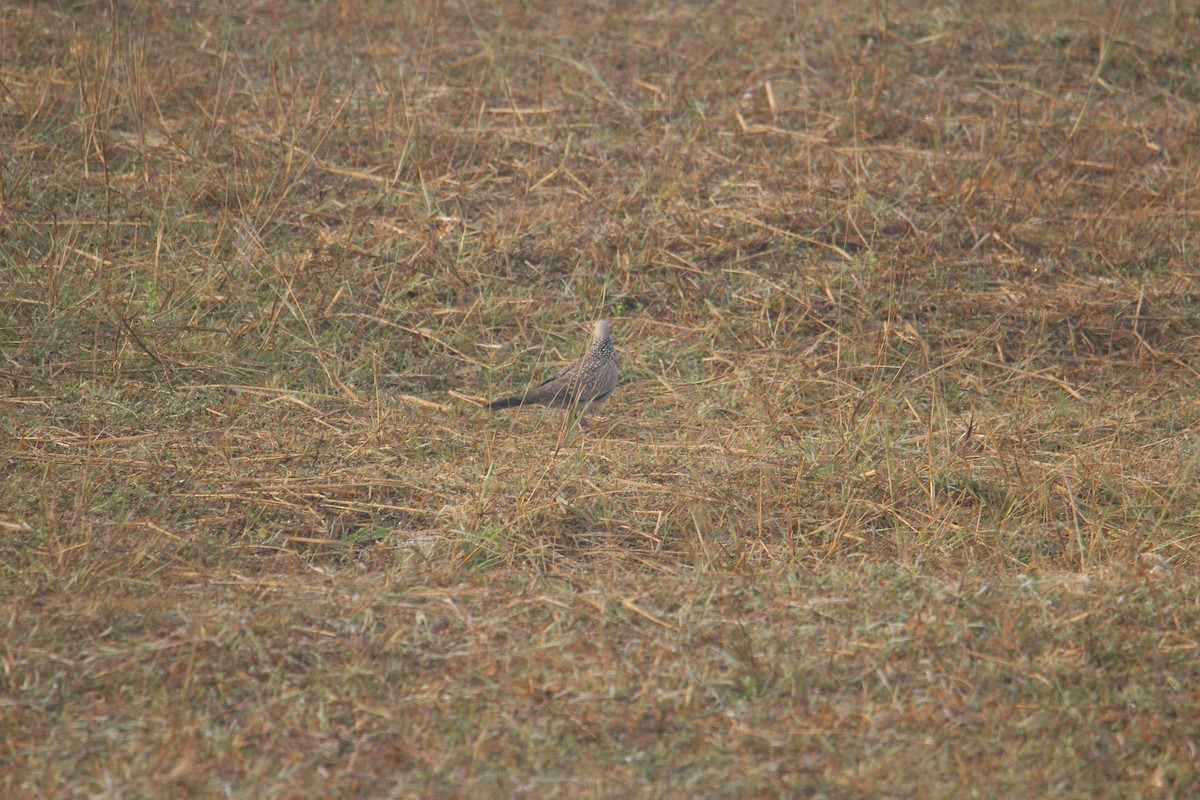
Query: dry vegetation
[(897, 498)]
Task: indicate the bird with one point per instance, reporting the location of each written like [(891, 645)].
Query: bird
[(581, 385)]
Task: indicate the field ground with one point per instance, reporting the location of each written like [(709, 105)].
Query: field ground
[(898, 496)]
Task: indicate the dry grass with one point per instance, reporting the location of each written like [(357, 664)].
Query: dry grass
[(897, 498)]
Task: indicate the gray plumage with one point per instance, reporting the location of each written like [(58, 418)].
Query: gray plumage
[(581, 385)]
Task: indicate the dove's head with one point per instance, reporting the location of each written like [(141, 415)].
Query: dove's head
[(602, 343)]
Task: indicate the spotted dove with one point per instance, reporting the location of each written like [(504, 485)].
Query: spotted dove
[(579, 386)]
